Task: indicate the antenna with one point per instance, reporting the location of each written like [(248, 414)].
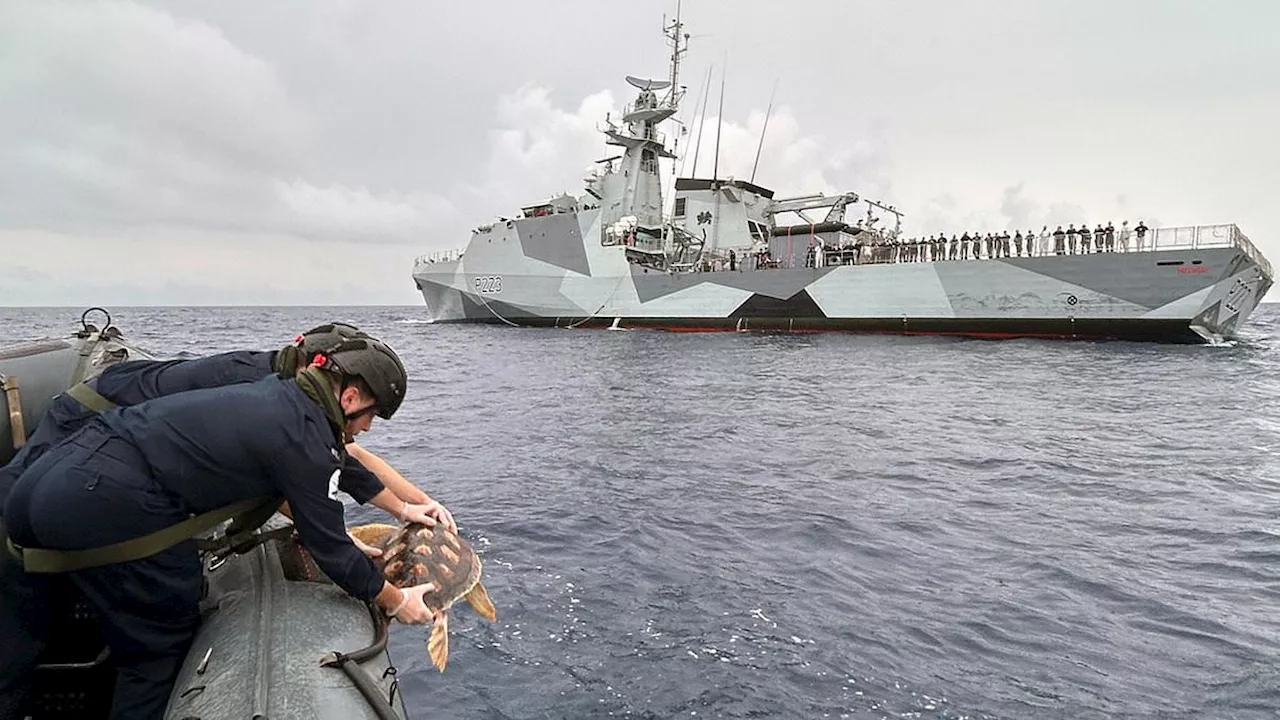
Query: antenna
[(675, 35), (715, 172), (702, 99), (763, 130), (702, 122)]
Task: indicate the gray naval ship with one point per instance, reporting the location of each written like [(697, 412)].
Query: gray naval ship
[(730, 255)]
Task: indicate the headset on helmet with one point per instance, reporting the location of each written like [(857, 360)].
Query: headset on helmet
[(374, 362)]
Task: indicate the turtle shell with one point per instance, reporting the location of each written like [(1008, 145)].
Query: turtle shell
[(417, 554)]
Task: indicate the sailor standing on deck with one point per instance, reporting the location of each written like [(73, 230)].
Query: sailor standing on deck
[(134, 471)]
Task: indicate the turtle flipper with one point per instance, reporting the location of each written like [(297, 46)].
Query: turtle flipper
[(438, 643), (479, 600)]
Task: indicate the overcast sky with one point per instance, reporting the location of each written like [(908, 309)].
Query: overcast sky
[(305, 151)]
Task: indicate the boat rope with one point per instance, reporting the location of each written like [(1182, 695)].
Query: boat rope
[(609, 297), (606, 302), (349, 663), (488, 307)]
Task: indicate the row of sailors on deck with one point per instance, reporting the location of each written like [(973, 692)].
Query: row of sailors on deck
[(1071, 241)]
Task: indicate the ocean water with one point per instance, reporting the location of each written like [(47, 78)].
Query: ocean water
[(737, 525)]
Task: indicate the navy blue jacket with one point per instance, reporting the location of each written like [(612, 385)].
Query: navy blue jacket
[(136, 381), (217, 446)]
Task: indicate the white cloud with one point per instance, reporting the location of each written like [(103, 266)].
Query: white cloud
[(356, 214), (155, 119), (1015, 209), (537, 150), (186, 133), (792, 161), (180, 265)]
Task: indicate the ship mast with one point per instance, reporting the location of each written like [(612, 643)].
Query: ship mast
[(679, 41), (635, 193), (679, 46)]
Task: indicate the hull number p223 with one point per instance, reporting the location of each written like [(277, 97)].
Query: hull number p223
[(488, 284)]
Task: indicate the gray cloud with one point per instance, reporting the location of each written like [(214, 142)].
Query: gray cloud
[(231, 142), (1017, 207), (132, 116)]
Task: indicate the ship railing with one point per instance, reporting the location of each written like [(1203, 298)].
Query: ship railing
[(653, 134), (1195, 237), (439, 257), (637, 106)]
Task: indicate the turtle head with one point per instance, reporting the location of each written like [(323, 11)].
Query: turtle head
[(375, 534)]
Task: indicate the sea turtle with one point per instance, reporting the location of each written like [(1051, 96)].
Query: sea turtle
[(416, 554)]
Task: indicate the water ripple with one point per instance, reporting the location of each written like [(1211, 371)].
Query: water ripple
[(740, 526)]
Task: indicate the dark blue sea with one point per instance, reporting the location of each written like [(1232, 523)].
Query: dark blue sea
[(737, 525)]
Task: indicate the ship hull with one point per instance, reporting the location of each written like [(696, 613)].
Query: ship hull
[(1194, 295), (1167, 331)]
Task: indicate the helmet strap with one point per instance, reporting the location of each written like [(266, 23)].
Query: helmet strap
[(320, 389), (352, 416)]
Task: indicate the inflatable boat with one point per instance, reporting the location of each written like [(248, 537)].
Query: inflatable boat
[(278, 639)]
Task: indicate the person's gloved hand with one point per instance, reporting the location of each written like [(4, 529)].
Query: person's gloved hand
[(412, 610), (429, 514)]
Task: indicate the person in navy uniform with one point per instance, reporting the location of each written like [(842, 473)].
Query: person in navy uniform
[(134, 470), (365, 477)]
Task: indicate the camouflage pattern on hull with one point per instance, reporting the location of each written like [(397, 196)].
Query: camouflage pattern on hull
[(510, 274), (729, 254)]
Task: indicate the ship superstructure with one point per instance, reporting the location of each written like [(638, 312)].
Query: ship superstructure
[(730, 255)]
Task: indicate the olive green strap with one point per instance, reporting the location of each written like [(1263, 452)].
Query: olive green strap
[(86, 349), (286, 360), (38, 560), (90, 398), (240, 535)]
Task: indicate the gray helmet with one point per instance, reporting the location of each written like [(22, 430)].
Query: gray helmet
[(374, 362), (307, 345), (321, 338)]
